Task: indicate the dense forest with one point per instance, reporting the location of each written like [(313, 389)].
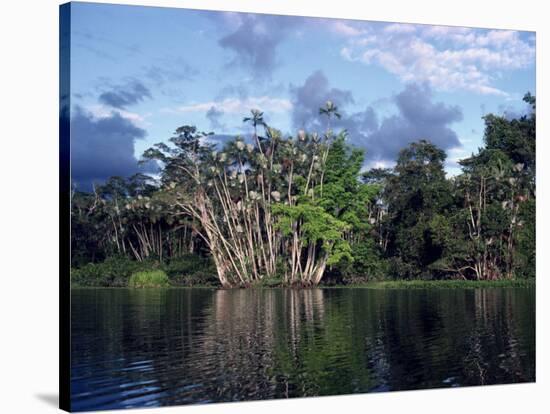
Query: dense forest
[(301, 211)]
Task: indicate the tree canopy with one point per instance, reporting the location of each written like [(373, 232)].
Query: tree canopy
[(298, 208)]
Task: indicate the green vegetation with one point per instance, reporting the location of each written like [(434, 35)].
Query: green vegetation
[(113, 272), (442, 284), (148, 279), (298, 211), (188, 270)]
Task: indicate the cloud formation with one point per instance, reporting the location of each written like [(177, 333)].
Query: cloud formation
[(102, 147), (309, 97), (121, 96), (448, 58), (417, 117), (255, 38), (345, 28), (214, 115)]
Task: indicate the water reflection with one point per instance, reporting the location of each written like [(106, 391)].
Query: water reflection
[(163, 347)]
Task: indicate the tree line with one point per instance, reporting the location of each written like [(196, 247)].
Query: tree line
[(300, 209)]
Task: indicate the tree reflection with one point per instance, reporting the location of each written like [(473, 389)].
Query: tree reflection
[(136, 348)]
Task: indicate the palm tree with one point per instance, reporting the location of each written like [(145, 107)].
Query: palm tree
[(256, 119), (329, 110)]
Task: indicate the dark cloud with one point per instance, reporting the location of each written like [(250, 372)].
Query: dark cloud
[(103, 147), (121, 96), (255, 40), (214, 115), (313, 94), (360, 123), (417, 117), (416, 106)]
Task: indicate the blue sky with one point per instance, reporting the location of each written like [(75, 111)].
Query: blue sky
[(137, 73)]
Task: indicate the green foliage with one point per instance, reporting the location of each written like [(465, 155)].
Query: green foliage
[(469, 226), (497, 189), (113, 272), (191, 270), (446, 284), (341, 192), (149, 279), (417, 197), (315, 226), (367, 265), (270, 282), (289, 209), (525, 266), (440, 231), (188, 270)]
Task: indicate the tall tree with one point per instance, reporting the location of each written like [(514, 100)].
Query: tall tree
[(416, 193)]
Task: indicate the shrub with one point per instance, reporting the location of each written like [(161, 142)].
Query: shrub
[(367, 265), (90, 275), (151, 278), (113, 272), (190, 270)]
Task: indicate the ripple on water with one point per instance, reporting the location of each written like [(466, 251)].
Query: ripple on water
[(150, 348)]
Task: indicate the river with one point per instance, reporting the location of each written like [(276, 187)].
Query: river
[(158, 347)]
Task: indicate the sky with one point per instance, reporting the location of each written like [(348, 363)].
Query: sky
[(138, 73)]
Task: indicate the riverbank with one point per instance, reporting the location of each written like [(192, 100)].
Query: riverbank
[(377, 285), (439, 284), (195, 271)]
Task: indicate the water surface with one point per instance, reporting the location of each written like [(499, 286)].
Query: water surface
[(157, 347)]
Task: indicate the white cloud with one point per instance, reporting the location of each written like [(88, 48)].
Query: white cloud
[(346, 29), (102, 111), (382, 164), (239, 106), (400, 28), (448, 58), (458, 35)]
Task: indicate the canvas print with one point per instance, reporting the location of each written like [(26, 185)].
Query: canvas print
[(266, 206)]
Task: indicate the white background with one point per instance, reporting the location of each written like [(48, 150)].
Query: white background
[(29, 204)]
